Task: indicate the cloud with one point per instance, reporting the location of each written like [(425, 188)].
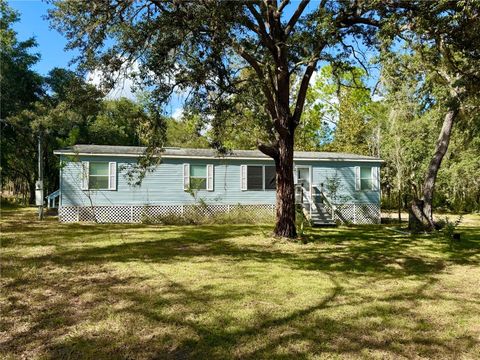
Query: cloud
[(124, 83), (177, 114)]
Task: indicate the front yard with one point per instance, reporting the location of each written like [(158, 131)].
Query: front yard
[(230, 291)]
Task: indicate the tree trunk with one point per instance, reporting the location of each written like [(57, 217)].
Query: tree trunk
[(31, 197), (422, 209), (285, 226)]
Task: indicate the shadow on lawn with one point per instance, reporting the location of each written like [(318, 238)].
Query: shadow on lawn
[(367, 250), (173, 313)]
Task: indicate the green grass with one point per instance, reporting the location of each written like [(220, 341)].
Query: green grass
[(91, 291)]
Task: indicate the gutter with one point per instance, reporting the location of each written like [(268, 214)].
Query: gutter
[(217, 158)]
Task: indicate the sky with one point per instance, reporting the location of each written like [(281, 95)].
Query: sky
[(50, 43), (51, 46)]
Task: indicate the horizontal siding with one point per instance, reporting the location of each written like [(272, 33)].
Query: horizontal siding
[(345, 171), (164, 186)]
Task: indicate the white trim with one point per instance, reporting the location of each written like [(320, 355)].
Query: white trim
[(210, 177), (243, 177), (60, 183), (309, 167), (186, 176), (357, 178), (375, 178), (219, 158), (85, 174), (112, 175)]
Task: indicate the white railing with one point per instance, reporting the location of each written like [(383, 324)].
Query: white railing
[(305, 194), (328, 203)]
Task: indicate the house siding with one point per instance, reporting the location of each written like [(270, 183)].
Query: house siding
[(164, 185)]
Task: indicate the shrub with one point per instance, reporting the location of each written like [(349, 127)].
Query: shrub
[(201, 214)]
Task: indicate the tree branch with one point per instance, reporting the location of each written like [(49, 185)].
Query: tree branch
[(269, 149), (302, 92), (255, 64), (261, 30), (296, 15)]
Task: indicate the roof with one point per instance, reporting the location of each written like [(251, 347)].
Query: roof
[(168, 152)]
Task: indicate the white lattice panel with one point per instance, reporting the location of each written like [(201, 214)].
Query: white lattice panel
[(138, 213), (68, 214), (345, 213), (358, 213), (367, 214)]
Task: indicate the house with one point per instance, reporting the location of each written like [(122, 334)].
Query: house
[(330, 186)]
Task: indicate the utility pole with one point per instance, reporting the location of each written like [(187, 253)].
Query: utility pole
[(39, 185)]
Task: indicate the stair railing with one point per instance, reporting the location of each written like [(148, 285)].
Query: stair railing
[(304, 194), (332, 208)]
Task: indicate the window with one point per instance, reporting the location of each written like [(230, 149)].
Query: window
[(270, 178), (198, 177), (98, 175), (365, 178), (260, 177)]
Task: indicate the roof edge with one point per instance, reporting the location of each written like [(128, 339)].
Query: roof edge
[(170, 156)]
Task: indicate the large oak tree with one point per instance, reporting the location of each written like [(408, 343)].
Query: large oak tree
[(203, 46)]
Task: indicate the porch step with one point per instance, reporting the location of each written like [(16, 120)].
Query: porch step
[(320, 217)]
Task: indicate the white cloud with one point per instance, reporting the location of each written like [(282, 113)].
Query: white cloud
[(177, 114), (123, 85)]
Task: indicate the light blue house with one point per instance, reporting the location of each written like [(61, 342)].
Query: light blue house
[(330, 186)]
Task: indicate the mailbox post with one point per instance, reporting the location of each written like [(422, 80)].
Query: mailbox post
[(39, 184), (39, 198)]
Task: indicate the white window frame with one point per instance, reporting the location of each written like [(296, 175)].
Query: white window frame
[(112, 175), (209, 177), (373, 178), (244, 177)]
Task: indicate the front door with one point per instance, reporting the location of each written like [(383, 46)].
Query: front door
[(304, 179)]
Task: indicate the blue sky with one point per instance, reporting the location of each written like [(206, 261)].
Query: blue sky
[(50, 43)]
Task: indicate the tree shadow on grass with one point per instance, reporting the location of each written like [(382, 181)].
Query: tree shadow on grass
[(300, 333), (74, 286), (354, 251)]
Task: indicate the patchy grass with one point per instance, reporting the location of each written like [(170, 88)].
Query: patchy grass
[(92, 291)]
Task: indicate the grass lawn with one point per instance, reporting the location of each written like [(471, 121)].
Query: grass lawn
[(91, 291)]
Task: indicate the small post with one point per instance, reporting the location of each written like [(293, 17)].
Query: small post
[(39, 184)]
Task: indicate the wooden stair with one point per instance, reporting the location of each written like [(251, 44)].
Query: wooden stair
[(320, 215)]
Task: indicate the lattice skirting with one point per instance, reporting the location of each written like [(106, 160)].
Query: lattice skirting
[(346, 213), (138, 213), (358, 213)]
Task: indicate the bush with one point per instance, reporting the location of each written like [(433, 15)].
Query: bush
[(201, 215), (448, 228)]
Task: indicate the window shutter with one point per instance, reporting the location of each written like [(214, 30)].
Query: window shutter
[(186, 177), (210, 177), (357, 177), (243, 177), (85, 172), (375, 178), (112, 176), (295, 175)]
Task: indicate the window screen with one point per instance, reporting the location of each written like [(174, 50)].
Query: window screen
[(365, 178), (270, 178), (198, 177), (255, 177), (98, 175)]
